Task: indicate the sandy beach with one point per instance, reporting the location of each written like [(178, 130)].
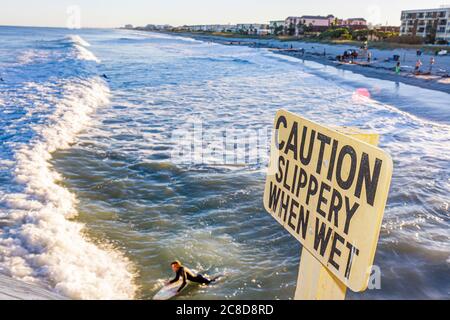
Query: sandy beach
[(381, 67)]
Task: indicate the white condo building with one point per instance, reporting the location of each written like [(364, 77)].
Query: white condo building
[(211, 27), (427, 23)]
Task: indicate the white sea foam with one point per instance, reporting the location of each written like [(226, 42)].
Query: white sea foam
[(78, 48), (80, 45), (38, 242), (84, 54), (27, 57), (76, 39)]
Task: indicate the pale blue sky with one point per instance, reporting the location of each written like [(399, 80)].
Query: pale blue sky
[(114, 13)]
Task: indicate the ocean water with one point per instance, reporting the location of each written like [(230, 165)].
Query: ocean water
[(97, 197)]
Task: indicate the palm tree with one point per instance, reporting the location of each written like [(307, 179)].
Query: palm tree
[(291, 29), (300, 28)]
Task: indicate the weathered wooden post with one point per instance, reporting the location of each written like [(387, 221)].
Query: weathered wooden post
[(328, 187)]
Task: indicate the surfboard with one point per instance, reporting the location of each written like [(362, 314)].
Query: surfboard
[(168, 291)]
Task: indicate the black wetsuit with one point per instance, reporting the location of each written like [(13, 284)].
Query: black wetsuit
[(187, 274)]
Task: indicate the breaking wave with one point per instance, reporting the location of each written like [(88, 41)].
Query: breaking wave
[(39, 241)]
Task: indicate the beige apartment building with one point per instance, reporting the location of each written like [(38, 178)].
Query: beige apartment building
[(431, 23)]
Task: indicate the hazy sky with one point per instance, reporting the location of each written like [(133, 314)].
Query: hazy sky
[(114, 13)]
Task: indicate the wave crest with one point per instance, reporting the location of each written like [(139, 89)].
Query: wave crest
[(38, 241), (76, 39)]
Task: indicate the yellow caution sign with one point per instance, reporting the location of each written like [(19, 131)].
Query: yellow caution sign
[(329, 190)]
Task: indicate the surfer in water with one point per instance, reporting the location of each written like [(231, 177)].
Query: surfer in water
[(186, 274)]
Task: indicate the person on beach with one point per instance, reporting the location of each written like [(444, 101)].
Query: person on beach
[(398, 68), (432, 61), (353, 56), (345, 56), (369, 56), (186, 274), (418, 65)]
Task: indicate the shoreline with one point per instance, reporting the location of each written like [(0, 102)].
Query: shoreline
[(422, 81), (379, 69)]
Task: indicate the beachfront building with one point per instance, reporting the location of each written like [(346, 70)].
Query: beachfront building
[(291, 26), (264, 30), (253, 28), (276, 27), (317, 23), (380, 28), (354, 23), (433, 24), (294, 26), (162, 27), (211, 28), (153, 27)]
